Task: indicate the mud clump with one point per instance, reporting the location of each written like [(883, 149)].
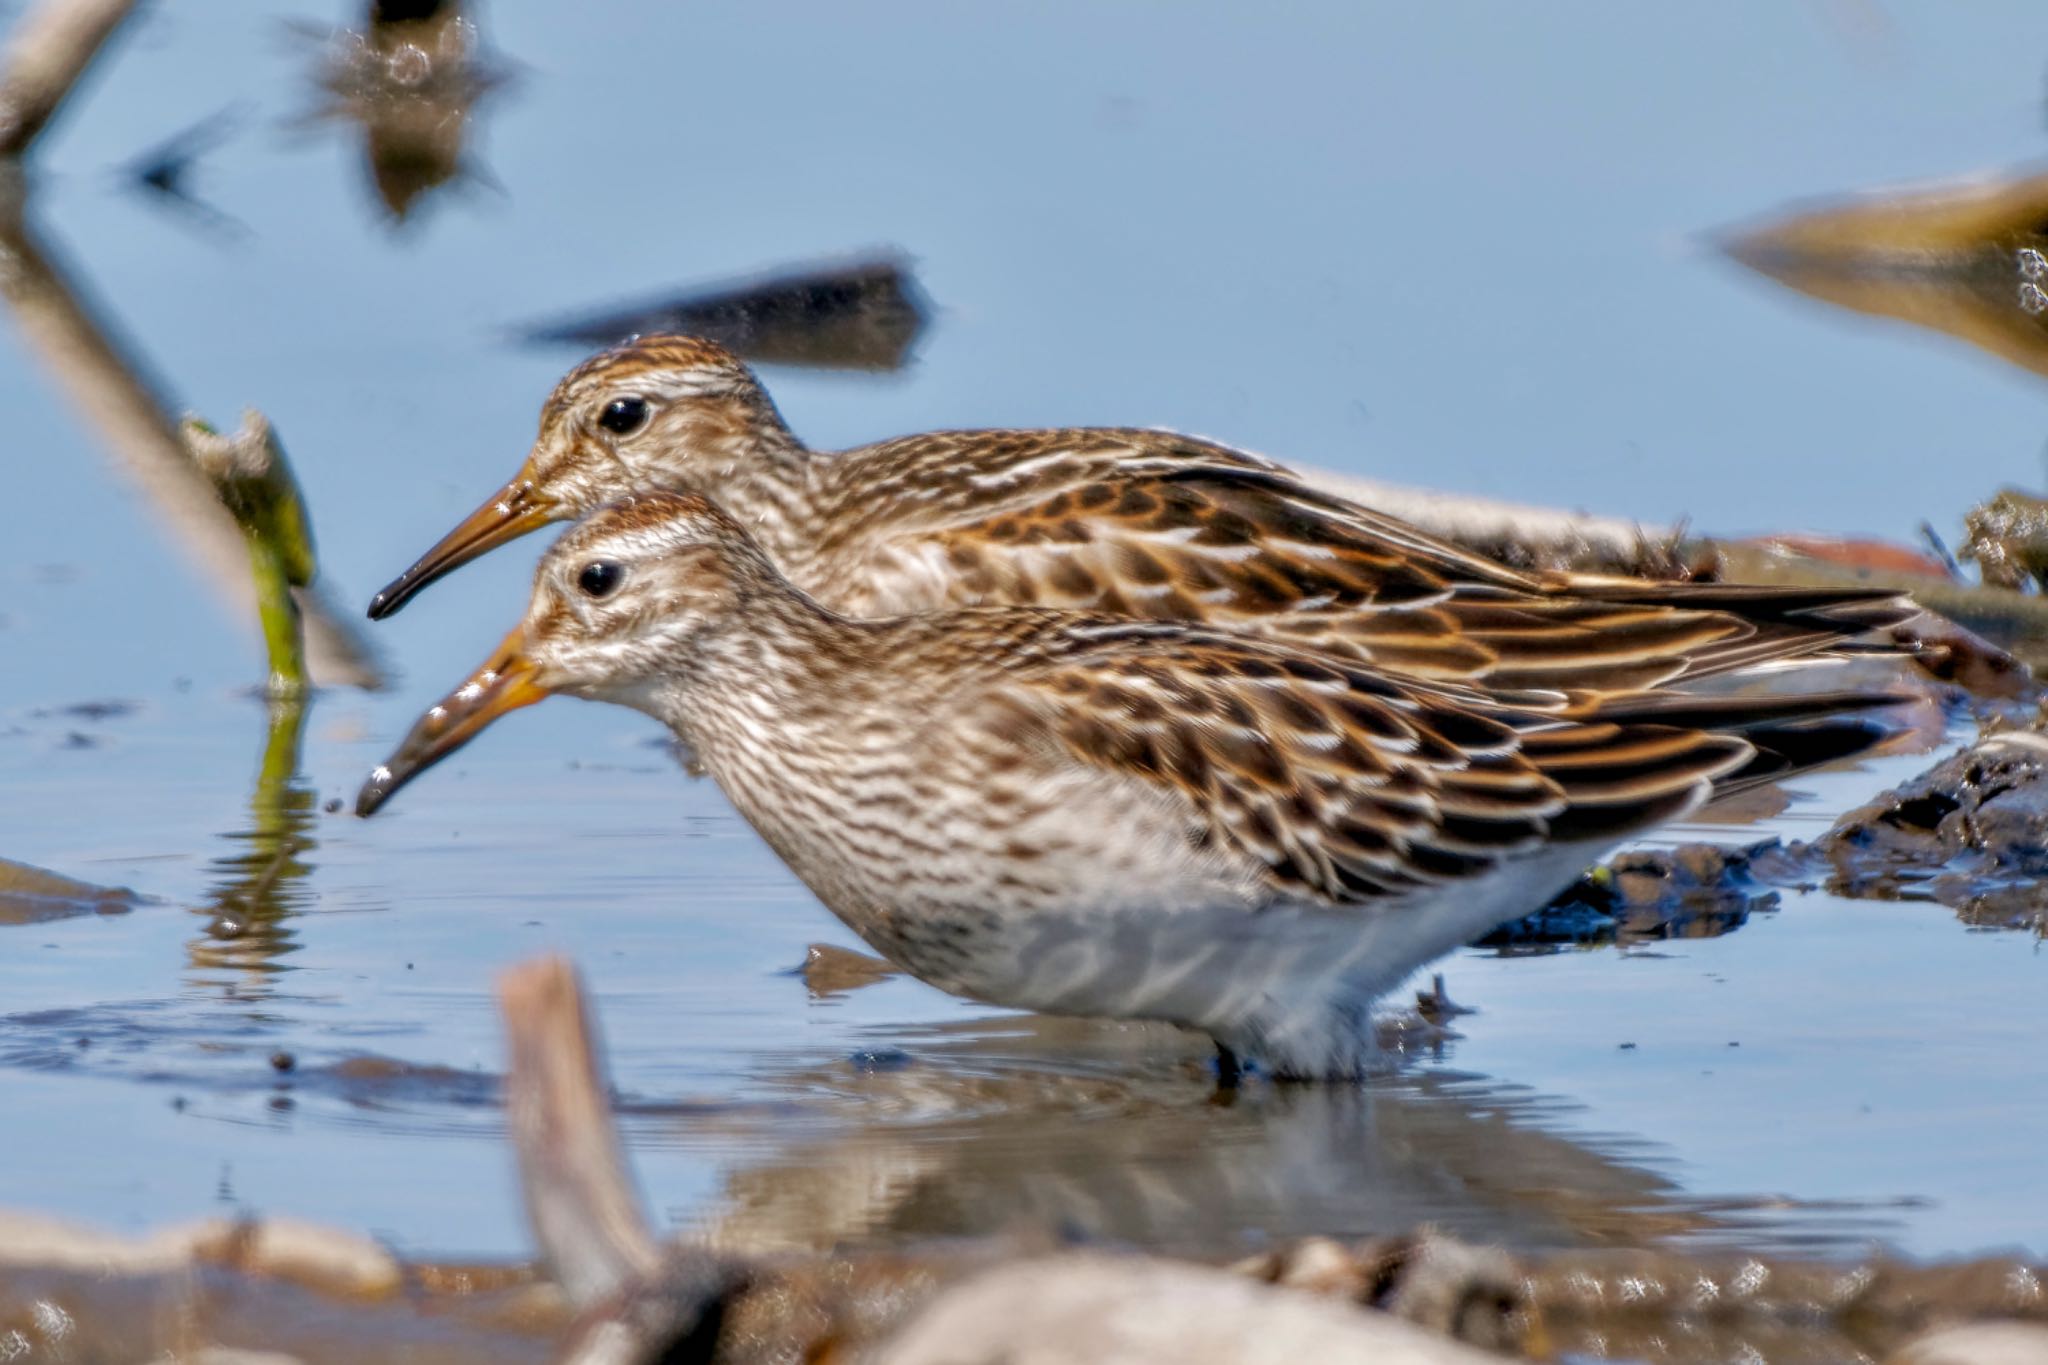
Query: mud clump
[(1649, 895), (2008, 537), (1971, 833)]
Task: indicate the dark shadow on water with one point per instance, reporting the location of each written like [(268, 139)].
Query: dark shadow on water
[(163, 174)]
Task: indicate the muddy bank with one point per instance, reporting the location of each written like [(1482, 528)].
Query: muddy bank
[(320, 1295)]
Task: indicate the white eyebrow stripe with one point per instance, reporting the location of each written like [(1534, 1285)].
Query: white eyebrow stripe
[(690, 383)]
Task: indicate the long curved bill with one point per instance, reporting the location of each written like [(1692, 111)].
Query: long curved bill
[(506, 683), (506, 515)]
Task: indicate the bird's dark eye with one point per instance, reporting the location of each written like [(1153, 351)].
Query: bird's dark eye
[(623, 416), (600, 577)]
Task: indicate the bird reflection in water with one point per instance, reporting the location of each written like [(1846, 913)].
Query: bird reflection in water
[(1033, 1122)]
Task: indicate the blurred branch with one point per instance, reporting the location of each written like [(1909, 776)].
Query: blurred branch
[(132, 418), (579, 1196), (50, 50)]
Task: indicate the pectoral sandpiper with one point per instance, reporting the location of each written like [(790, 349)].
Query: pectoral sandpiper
[(1097, 815), (1120, 521)]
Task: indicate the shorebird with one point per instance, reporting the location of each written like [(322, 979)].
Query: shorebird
[(1095, 815), (1122, 521)]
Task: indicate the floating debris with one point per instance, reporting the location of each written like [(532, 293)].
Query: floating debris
[(1969, 260), (29, 895), (830, 970), (862, 314), (111, 708), (414, 78)]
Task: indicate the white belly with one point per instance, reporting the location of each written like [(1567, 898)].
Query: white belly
[(1290, 985)]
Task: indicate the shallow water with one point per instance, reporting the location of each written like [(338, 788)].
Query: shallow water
[(1370, 239)]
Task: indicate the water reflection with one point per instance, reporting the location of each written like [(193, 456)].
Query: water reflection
[(257, 889), (1106, 1133), (1017, 1124), (237, 504), (413, 79)]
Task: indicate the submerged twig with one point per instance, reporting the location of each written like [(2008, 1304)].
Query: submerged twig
[(53, 46)]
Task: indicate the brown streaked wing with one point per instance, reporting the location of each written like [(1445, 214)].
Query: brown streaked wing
[(1166, 527), (1346, 785)]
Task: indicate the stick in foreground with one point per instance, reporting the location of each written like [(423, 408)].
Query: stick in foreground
[(579, 1195)]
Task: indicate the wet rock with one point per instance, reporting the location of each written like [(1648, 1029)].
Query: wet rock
[(1118, 1310), (1972, 833), (1692, 891), (2008, 537)]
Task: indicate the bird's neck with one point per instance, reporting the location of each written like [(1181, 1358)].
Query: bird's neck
[(776, 671), (761, 473)]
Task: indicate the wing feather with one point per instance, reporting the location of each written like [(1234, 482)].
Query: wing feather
[(1344, 784), (1159, 526)]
